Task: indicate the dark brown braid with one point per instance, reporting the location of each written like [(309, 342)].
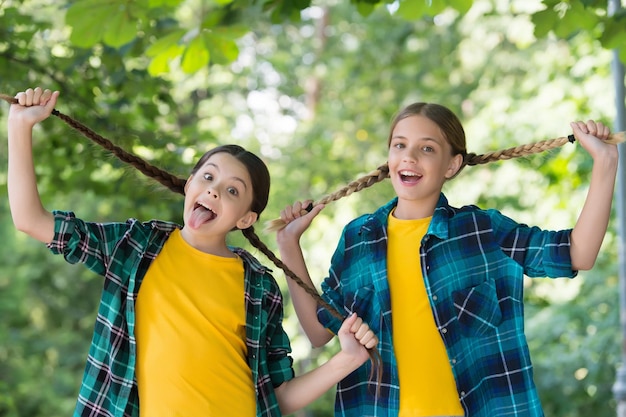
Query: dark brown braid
[(165, 178), (177, 185)]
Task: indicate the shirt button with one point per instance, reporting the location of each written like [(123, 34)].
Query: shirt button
[(444, 330), (462, 393), (453, 361), (435, 297)]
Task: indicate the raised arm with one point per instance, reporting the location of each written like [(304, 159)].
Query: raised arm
[(355, 337), (288, 240), (592, 223), (29, 215)]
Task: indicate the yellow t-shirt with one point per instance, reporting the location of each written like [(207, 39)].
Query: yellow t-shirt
[(191, 333), (427, 386)]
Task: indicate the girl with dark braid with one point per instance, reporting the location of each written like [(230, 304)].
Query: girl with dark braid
[(442, 287), (186, 325)]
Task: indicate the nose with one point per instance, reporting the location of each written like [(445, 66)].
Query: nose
[(212, 192), (409, 157)]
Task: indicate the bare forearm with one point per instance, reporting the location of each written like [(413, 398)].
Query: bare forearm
[(592, 223), (27, 211), (304, 389), (304, 304)]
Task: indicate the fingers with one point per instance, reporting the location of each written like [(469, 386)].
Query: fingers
[(591, 127), (36, 96), (299, 209), (362, 332)]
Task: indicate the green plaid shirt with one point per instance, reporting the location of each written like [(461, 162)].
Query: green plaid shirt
[(122, 253), (473, 263)]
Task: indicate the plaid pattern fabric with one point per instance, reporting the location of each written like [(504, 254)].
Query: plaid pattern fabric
[(473, 263), (122, 253)]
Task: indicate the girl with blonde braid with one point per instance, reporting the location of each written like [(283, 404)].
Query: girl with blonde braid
[(187, 325), (442, 287)]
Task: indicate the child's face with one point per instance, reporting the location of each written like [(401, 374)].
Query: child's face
[(218, 196), (420, 160)]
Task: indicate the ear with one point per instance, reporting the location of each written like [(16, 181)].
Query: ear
[(455, 164), (187, 183), (247, 220)]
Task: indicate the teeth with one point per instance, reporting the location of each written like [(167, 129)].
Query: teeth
[(408, 174), (206, 207)]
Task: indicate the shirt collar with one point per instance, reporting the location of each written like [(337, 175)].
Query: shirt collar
[(250, 260), (438, 225)]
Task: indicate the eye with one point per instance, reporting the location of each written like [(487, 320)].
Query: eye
[(208, 177), (233, 191), (428, 149), (398, 145)]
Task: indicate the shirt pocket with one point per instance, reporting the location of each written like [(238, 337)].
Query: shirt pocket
[(478, 309)]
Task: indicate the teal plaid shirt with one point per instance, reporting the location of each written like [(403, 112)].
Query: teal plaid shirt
[(122, 253), (473, 263)]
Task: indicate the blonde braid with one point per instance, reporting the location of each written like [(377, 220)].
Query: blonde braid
[(471, 159)]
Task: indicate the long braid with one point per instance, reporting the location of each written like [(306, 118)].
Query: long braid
[(379, 174), (253, 238), (165, 178), (177, 185), (255, 241), (359, 184), (382, 172)]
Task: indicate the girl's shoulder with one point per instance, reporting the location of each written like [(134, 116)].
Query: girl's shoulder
[(252, 262)]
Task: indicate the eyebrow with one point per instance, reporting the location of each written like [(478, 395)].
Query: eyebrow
[(234, 178), (426, 138)]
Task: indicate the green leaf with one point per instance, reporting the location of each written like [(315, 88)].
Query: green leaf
[(195, 56), (88, 20), (160, 63), (233, 32), (221, 49), (365, 9), (121, 29), (613, 35), (575, 19), (462, 6), (412, 9), (114, 22), (166, 43), (544, 21)]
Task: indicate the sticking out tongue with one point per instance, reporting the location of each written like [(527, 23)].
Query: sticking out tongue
[(199, 216)]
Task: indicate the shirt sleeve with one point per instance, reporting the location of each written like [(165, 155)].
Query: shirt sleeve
[(280, 362), (332, 290), (542, 253), (83, 242)]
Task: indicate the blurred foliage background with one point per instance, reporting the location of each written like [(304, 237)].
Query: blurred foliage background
[(311, 86)]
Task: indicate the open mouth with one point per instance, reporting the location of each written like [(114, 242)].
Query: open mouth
[(409, 177), (201, 214)]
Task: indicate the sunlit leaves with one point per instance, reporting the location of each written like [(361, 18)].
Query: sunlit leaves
[(568, 18), (113, 22), (195, 55), (222, 43), (116, 23), (613, 35), (163, 51)]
